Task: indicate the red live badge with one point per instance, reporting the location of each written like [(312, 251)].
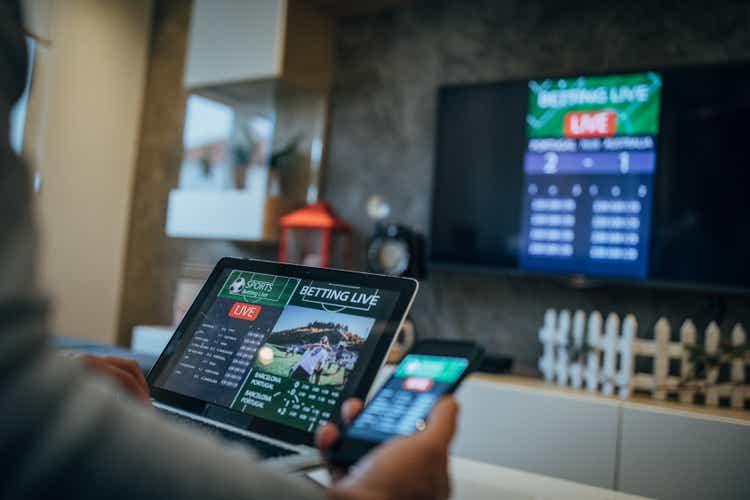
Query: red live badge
[(418, 384), (242, 310), (586, 124)]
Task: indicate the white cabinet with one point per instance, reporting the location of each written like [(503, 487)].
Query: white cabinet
[(673, 455), (259, 72), (538, 431), (659, 452), (232, 215), (240, 41), (233, 40)]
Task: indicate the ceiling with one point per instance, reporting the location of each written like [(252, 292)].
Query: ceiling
[(344, 8)]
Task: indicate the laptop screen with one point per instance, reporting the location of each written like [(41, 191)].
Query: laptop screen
[(277, 347)]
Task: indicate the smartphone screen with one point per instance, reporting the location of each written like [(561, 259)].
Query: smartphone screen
[(402, 405)]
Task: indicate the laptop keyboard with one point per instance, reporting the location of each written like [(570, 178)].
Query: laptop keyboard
[(263, 448)]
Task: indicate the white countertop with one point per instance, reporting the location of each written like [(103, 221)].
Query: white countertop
[(480, 481)]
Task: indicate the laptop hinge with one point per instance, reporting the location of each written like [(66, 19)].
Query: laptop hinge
[(225, 416)]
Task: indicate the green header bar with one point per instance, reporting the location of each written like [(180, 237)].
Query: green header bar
[(437, 368), (257, 288), (635, 98)]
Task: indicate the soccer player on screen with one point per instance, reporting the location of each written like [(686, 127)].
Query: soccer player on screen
[(311, 362)]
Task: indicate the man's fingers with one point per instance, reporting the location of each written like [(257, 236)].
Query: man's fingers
[(350, 409), (441, 424), (131, 367), (326, 436), (90, 360), (126, 380), (131, 384), (126, 364)]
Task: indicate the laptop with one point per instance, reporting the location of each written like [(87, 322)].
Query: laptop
[(269, 351)]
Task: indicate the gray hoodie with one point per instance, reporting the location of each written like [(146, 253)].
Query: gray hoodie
[(66, 433)]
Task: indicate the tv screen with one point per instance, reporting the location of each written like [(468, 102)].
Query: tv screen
[(639, 176)]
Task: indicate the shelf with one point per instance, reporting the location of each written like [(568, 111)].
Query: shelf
[(226, 215)]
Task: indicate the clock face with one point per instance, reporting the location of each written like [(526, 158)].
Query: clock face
[(390, 256)]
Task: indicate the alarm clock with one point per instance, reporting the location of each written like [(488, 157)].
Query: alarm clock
[(396, 251)]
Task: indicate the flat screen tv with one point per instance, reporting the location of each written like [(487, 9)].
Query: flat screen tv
[(637, 176)]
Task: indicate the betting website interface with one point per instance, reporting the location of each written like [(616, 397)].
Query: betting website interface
[(403, 404), (589, 174), (278, 347)]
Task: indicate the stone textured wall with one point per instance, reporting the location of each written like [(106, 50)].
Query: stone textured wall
[(389, 66)]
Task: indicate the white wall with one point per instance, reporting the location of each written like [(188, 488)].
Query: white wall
[(233, 40), (83, 128)]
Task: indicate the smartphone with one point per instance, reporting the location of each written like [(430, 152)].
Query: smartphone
[(432, 369)]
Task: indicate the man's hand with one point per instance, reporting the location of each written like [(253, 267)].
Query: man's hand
[(403, 467), (125, 371)]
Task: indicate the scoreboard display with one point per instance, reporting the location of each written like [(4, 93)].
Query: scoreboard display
[(588, 174), (635, 176)]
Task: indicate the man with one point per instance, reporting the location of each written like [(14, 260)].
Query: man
[(311, 362), (67, 434), (348, 366)]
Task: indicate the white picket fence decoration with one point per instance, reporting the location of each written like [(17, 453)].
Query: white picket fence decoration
[(609, 341)]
